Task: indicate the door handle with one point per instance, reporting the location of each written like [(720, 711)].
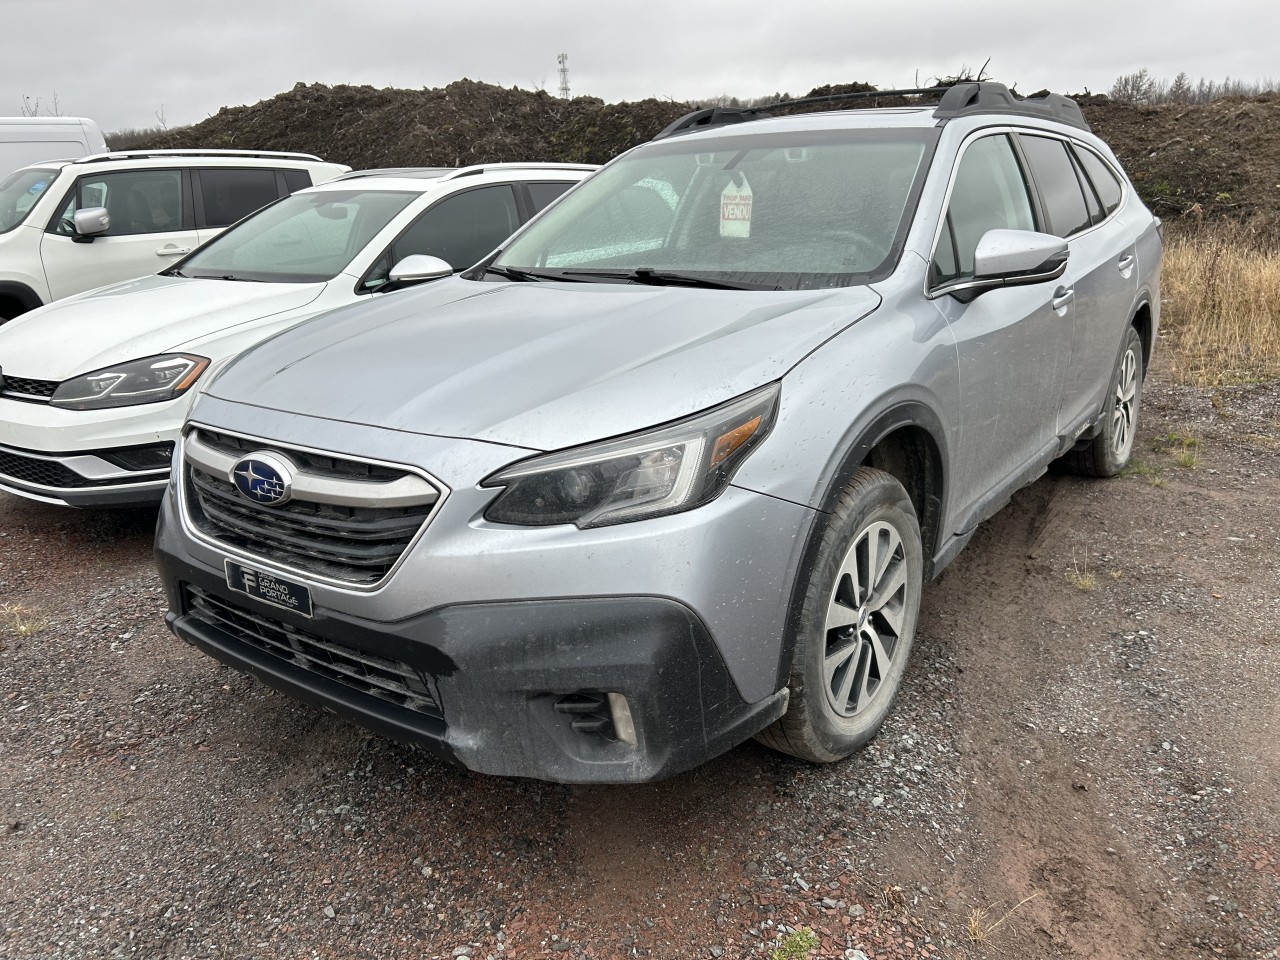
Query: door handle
[(1125, 264), (169, 250), (1063, 296)]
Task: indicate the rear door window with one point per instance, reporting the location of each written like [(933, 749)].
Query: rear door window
[(295, 180), (1055, 178), (231, 195), (1102, 178), (1091, 201), (543, 193)]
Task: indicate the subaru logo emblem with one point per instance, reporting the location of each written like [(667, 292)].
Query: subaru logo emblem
[(263, 478)]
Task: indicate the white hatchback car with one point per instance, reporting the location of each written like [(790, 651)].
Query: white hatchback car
[(67, 226), (93, 389)]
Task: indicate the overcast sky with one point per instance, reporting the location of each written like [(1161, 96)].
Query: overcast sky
[(122, 62)]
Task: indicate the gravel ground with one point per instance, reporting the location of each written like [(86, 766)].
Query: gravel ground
[(1083, 763)]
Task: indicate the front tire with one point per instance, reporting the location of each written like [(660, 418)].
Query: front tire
[(856, 623), (1109, 452)]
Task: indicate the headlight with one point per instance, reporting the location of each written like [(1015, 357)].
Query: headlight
[(149, 380), (666, 470)]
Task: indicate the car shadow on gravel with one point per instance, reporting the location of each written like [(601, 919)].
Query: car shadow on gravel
[(28, 518)]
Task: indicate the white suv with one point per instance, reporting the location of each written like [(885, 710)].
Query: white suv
[(93, 389), (67, 226)]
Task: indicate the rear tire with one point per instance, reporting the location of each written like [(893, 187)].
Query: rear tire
[(1109, 452), (856, 623)]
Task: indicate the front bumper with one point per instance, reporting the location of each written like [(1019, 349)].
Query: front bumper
[(486, 684), (87, 458), (85, 479)]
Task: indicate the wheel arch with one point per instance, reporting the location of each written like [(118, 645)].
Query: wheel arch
[(908, 442), (17, 294), (1143, 320)]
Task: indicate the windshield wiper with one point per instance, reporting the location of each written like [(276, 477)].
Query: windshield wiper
[(665, 278), (172, 272), (232, 276), (511, 273)]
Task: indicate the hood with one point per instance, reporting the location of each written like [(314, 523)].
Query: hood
[(537, 365), (136, 319)]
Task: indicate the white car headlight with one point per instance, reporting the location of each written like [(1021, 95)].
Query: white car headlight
[(149, 380), (666, 470)]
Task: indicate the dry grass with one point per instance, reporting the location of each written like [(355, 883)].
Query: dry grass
[(1184, 448), (1080, 576), (980, 927), (21, 620), (1221, 290)]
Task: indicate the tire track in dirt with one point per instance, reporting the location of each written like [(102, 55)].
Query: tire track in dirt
[(1043, 834)]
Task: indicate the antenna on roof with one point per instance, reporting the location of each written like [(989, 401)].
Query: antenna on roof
[(563, 60)]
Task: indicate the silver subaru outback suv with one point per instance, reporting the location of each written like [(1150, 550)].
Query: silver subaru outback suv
[(670, 469)]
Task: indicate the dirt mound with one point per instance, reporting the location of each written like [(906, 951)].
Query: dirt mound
[(466, 122), (1219, 160)]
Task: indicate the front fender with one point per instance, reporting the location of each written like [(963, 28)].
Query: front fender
[(888, 371)]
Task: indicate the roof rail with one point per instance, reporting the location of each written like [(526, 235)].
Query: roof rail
[(957, 99), (527, 165), (720, 116), (985, 97), (415, 173), (149, 154)]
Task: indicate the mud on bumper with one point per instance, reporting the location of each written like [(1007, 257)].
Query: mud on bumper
[(510, 688)]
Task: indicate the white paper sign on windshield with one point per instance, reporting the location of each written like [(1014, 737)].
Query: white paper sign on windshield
[(735, 208)]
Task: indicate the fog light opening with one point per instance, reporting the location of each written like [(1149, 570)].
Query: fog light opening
[(623, 726)]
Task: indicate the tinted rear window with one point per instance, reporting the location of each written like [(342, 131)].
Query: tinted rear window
[(231, 195), (543, 193), (1104, 181), (1060, 191), (296, 180)]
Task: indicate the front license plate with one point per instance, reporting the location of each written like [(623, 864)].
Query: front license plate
[(269, 588)]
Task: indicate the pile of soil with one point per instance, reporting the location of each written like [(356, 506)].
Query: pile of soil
[(1212, 161), (463, 123)]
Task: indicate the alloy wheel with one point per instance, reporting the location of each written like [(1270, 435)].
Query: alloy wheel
[(1125, 412), (865, 618)]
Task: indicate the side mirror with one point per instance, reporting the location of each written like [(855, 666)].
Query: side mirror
[(417, 268), (1010, 258), (90, 222), (1018, 257)]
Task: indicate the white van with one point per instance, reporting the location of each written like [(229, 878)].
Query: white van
[(27, 140)]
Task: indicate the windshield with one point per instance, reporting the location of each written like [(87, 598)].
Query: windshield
[(797, 210), (305, 238), (19, 193)]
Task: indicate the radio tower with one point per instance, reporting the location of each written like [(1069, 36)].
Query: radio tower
[(563, 60)]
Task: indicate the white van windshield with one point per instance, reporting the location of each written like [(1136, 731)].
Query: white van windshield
[(19, 193)]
